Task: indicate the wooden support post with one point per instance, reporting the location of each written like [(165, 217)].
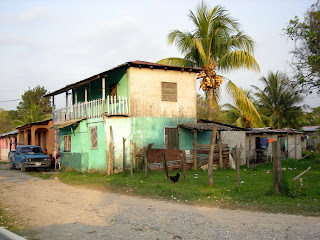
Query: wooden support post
[(195, 154), (124, 155), (103, 95), (277, 174), (166, 141), (146, 169), (135, 162), (131, 159), (210, 157), (248, 155), (220, 150), (238, 154), (184, 166), (165, 168), (111, 148)]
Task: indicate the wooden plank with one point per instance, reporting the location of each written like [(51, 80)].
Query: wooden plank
[(308, 169)]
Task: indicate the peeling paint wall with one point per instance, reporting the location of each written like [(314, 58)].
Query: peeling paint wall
[(82, 157), (145, 93)]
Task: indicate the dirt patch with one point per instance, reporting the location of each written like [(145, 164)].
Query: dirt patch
[(58, 211)]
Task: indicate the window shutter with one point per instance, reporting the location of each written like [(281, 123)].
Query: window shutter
[(169, 91), (94, 137), (67, 143)]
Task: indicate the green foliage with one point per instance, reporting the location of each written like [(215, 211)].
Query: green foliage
[(34, 107), (202, 108), (6, 122), (216, 43), (279, 101), (244, 113), (306, 53), (311, 118)]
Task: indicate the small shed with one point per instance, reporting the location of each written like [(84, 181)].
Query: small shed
[(201, 132)]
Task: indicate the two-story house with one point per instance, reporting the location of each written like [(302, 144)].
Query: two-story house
[(143, 102)]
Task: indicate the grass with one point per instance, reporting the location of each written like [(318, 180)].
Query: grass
[(40, 175), (256, 191), (10, 222)]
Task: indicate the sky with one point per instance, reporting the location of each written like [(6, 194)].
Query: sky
[(56, 43)]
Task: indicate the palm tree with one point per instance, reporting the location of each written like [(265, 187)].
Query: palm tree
[(216, 43), (243, 113), (278, 100)]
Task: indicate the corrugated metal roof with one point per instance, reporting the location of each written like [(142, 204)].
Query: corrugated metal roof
[(9, 133), (34, 123), (310, 128), (67, 123), (209, 126), (139, 64), (272, 131)]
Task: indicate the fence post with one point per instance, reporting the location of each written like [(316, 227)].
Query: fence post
[(164, 163), (277, 174), (220, 150)]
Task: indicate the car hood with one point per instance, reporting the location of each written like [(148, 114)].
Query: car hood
[(35, 156)]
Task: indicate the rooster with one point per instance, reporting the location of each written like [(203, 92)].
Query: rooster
[(174, 178)]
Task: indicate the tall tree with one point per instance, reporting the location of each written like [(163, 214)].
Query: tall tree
[(216, 43), (279, 100), (306, 35), (6, 122), (34, 107)]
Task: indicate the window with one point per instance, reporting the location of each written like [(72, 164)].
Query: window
[(93, 137), (169, 91), (67, 143)]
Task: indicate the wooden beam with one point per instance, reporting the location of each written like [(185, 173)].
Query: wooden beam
[(195, 154)]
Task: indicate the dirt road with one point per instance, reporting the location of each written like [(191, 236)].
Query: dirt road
[(58, 211)]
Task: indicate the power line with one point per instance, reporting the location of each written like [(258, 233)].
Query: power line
[(10, 100)]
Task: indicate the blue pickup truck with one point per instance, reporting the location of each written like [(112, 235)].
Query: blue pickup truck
[(28, 157)]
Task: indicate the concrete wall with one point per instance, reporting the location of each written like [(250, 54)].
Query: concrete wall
[(235, 138), (294, 146), (141, 131), (81, 156), (145, 93)]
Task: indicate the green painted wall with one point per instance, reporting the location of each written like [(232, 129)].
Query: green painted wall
[(140, 130), (82, 157), (94, 88)]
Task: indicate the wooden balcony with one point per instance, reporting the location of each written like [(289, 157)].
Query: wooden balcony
[(113, 106)]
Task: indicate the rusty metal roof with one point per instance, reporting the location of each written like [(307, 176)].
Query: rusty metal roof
[(138, 64), (204, 125), (35, 123), (273, 131)]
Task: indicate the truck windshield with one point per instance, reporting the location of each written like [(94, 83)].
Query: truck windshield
[(30, 150)]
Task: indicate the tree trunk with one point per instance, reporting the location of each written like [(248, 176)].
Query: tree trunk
[(210, 105)]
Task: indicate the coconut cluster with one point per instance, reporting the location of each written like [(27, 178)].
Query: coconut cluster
[(209, 79)]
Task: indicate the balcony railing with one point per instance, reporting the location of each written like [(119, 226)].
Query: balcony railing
[(92, 109)]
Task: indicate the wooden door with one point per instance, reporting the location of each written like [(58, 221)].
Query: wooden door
[(173, 137)]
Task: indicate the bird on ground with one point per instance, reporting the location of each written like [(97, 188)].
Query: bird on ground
[(174, 178)]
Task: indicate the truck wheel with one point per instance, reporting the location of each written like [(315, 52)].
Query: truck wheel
[(13, 167)]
